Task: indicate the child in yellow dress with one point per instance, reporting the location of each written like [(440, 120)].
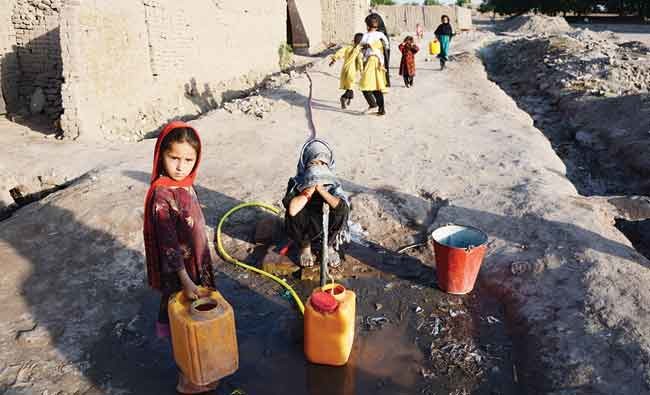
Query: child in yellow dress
[(352, 65), (373, 79)]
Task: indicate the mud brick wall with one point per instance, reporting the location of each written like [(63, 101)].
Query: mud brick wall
[(8, 62), (130, 66), (106, 66), (342, 19), (463, 18), (402, 19), (38, 52)]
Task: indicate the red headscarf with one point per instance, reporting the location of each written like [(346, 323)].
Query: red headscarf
[(160, 180)]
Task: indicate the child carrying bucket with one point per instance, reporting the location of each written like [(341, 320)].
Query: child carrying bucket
[(313, 185), (444, 33), (176, 245), (352, 66)]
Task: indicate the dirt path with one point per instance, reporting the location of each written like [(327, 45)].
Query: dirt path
[(76, 317)]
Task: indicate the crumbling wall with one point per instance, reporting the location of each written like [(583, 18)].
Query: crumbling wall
[(130, 66), (8, 65), (401, 19), (38, 53), (341, 19)]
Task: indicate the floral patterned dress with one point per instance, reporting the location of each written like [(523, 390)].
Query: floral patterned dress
[(407, 64), (182, 241)]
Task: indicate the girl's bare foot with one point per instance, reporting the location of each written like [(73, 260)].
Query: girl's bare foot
[(306, 259), (333, 258)]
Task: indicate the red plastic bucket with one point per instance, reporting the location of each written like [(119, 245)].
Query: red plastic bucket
[(459, 253)]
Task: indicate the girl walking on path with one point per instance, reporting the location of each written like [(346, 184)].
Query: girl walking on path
[(444, 33), (176, 244), (407, 65), (373, 79), (352, 66)]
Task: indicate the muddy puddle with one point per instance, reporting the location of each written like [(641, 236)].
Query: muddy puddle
[(410, 338)]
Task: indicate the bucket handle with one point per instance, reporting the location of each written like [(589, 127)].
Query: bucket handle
[(330, 287)]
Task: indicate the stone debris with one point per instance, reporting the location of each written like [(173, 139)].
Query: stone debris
[(579, 62), (255, 105), (373, 323), (277, 81)]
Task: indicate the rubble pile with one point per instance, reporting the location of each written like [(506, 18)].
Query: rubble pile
[(255, 105), (582, 62)]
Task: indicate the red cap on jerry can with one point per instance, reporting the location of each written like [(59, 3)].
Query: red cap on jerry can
[(324, 302)]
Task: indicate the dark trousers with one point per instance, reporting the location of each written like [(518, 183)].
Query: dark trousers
[(374, 99), (387, 56), (349, 94), (408, 80), (307, 225)]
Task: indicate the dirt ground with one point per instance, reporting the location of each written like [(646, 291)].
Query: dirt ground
[(561, 306)]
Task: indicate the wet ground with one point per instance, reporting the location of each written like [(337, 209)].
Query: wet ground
[(410, 337)]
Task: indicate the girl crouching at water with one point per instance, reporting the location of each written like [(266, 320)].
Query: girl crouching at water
[(314, 185)]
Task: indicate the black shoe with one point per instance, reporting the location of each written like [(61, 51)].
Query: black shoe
[(343, 103), (381, 112)]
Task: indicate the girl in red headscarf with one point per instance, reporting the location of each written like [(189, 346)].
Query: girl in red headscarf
[(176, 244)]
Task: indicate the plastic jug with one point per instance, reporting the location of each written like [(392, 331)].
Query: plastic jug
[(434, 47), (329, 325), (204, 340)]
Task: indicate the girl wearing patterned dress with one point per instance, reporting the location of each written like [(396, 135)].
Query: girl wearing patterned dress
[(176, 244)]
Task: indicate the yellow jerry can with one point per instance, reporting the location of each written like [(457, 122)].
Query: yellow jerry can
[(204, 339), (434, 47)]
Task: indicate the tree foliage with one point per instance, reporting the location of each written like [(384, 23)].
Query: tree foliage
[(431, 2), (553, 7), (381, 2), (463, 3)]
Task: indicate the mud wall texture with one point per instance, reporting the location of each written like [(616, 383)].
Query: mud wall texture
[(8, 64), (401, 19), (342, 19), (31, 54), (130, 66)]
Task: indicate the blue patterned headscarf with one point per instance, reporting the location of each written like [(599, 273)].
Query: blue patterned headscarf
[(308, 176)]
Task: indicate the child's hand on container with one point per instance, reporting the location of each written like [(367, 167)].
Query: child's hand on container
[(191, 291)]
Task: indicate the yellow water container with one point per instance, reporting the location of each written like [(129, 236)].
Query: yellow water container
[(203, 334), (329, 325), (434, 47)]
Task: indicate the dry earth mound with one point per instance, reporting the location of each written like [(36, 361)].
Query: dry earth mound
[(536, 24), (591, 88)]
